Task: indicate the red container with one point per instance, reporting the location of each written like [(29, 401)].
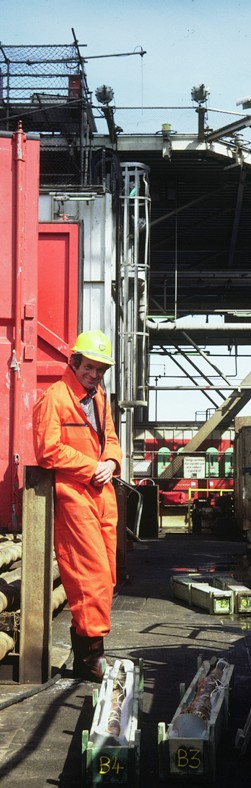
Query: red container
[(74, 89), (38, 311), (19, 188)]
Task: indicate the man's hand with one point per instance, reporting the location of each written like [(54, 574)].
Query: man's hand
[(103, 473)]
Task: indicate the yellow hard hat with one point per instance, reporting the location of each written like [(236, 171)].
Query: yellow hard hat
[(94, 345)]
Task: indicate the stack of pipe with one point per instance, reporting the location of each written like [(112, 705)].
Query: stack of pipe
[(10, 589)]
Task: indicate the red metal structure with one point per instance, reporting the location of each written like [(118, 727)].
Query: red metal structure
[(57, 309), (19, 179), (38, 310), (216, 455)]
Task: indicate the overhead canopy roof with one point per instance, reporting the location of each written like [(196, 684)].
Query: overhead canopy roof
[(200, 226), (200, 238)]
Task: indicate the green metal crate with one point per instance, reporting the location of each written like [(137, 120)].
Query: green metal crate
[(184, 757), (104, 760)]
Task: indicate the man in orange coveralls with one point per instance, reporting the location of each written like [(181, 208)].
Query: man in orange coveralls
[(74, 433)]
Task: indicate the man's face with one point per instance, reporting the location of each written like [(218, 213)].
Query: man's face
[(90, 373)]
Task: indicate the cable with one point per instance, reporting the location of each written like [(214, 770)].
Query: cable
[(30, 693)]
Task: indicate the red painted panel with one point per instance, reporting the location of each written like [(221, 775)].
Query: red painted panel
[(34, 286), (6, 187), (57, 299), (19, 189)]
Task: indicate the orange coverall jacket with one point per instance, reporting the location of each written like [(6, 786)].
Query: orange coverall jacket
[(85, 516)]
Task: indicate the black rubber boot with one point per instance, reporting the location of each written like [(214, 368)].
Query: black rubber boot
[(89, 660)]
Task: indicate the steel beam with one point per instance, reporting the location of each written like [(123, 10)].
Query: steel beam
[(188, 143), (228, 130), (185, 373), (223, 415), (236, 223), (37, 573)]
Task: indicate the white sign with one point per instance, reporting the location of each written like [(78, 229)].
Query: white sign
[(194, 467)]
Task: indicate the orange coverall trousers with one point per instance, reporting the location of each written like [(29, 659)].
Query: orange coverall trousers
[(86, 554)]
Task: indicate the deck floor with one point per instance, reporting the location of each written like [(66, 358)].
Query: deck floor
[(40, 737)]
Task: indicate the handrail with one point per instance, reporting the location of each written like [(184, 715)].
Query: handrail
[(133, 488)]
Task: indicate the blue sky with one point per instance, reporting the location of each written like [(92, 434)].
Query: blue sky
[(187, 42)]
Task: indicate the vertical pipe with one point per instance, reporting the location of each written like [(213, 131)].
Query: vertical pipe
[(86, 150), (19, 140), (201, 122), (125, 351), (146, 289), (134, 370), (176, 271), (8, 95), (118, 316), (82, 132), (129, 426)]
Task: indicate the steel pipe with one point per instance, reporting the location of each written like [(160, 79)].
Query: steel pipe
[(9, 595), (10, 554), (195, 327), (19, 146), (10, 591), (58, 597), (6, 644), (199, 388), (16, 573), (13, 593)]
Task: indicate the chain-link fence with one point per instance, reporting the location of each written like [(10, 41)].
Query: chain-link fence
[(30, 70)]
